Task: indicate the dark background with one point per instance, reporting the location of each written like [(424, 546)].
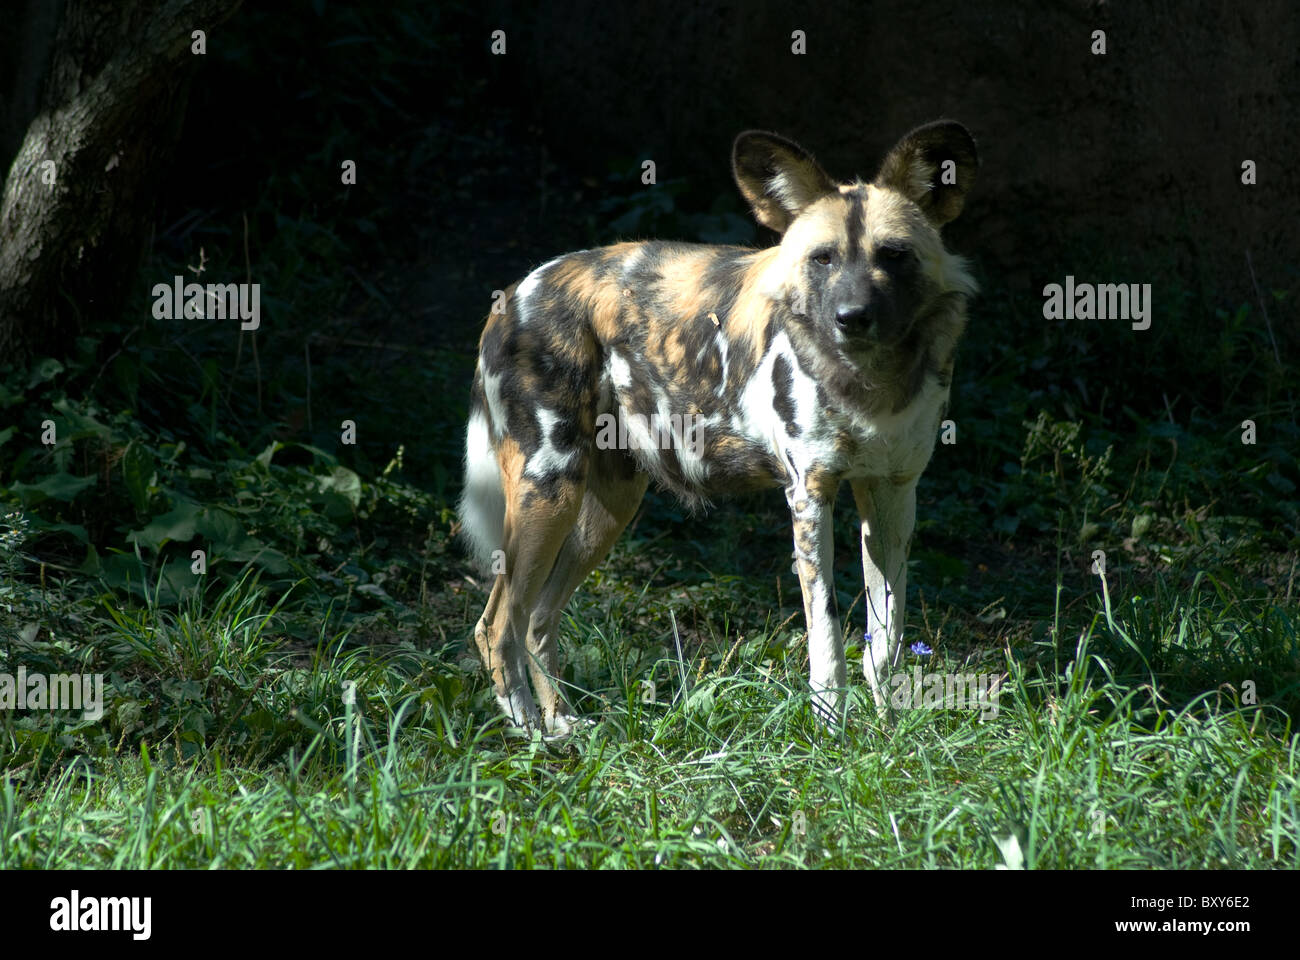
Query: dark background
[(472, 168), (1134, 156)]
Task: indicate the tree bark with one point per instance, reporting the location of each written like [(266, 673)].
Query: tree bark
[(110, 115)]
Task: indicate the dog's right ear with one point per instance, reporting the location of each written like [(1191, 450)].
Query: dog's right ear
[(777, 177), (934, 167)]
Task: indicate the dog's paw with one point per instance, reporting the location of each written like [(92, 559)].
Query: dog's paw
[(521, 713), (563, 724), (828, 706)]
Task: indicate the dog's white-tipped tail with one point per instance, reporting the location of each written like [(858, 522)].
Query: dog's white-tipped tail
[(482, 502)]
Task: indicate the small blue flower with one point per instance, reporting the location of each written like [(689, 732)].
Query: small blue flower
[(920, 649)]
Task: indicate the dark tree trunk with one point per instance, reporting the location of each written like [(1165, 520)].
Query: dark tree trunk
[(26, 43), (109, 116)]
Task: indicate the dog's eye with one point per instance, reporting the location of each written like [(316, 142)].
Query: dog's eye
[(824, 258), (892, 253)]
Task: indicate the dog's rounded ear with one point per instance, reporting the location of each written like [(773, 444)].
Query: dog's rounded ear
[(778, 177), (933, 166)]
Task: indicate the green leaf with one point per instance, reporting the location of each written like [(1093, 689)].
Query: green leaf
[(272, 561), (178, 525), (264, 458), (177, 580), (259, 720), (701, 699), (219, 527), (123, 571), (1141, 524), (343, 482), (80, 424), (252, 550), (45, 526), (60, 486), (339, 493), (44, 370)]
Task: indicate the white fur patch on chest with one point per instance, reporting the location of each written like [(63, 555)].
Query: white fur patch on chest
[(900, 444), (787, 418)]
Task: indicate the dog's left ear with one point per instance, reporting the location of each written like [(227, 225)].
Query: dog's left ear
[(933, 166)]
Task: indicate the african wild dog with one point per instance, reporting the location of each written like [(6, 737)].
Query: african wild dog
[(825, 358)]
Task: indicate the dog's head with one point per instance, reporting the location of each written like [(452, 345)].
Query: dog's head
[(860, 261)]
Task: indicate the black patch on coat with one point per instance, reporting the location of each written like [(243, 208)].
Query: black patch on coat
[(832, 603), (855, 224), (783, 401)]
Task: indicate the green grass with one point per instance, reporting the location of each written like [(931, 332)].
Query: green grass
[(263, 762)]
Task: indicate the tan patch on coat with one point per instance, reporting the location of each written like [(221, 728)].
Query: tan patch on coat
[(746, 326), (823, 484)]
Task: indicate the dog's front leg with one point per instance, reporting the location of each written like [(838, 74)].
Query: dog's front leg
[(888, 513), (814, 551)]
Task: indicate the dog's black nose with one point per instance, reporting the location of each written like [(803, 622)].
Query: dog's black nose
[(851, 315)]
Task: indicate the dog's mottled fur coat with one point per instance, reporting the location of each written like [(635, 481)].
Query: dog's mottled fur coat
[(824, 359)]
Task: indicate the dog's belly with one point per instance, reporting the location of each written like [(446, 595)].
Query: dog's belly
[(690, 438)]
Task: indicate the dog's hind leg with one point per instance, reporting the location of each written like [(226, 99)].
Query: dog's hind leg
[(503, 658), (539, 514), (613, 493), (537, 519)]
